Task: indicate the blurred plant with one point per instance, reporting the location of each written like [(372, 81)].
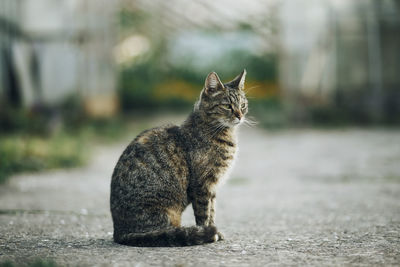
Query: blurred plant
[(35, 263), (154, 83), (353, 108), (26, 153), (269, 113), (171, 72), (47, 138)]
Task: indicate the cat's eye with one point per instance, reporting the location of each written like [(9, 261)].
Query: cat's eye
[(226, 106), (243, 106)]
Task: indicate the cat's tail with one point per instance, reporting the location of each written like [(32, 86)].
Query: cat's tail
[(170, 237)]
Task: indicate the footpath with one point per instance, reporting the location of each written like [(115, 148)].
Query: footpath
[(295, 197)]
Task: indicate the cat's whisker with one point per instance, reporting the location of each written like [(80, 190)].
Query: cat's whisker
[(217, 130), (250, 122), (248, 90), (211, 130), (251, 119)]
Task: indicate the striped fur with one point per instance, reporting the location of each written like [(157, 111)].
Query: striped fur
[(165, 169), (172, 236)]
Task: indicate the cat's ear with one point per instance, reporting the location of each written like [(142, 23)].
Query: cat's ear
[(238, 82), (213, 84)]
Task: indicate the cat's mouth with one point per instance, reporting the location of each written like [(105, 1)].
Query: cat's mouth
[(237, 121), (232, 123)]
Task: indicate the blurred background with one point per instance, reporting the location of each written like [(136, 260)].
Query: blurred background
[(73, 72)]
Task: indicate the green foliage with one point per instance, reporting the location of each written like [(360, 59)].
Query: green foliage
[(20, 153), (355, 108), (157, 79), (140, 84), (19, 120), (42, 120), (35, 140), (259, 67), (327, 116), (43, 263), (135, 85), (269, 113), (131, 20), (36, 263), (6, 264)]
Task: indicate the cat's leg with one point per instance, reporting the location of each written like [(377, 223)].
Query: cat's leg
[(211, 220), (204, 210), (201, 207)]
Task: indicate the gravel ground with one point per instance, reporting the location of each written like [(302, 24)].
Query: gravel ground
[(295, 197)]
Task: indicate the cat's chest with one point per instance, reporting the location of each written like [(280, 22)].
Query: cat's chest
[(212, 163)]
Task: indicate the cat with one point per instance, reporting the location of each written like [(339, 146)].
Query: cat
[(165, 169)]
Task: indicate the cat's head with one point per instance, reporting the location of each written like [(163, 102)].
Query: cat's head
[(226, 103)]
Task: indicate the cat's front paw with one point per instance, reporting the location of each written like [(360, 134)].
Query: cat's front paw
[(220, 236)]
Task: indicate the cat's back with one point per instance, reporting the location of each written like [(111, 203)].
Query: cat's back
[(153, 162)]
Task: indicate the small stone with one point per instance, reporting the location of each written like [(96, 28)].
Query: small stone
[(84, 211)]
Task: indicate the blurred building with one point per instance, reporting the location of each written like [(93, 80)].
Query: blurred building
[(341, 54), (50, 50), (335, 57), (332, 54), (204, 30)]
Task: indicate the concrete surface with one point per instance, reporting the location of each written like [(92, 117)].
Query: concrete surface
[(295, 197)]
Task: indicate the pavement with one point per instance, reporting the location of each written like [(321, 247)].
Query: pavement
[(295, 197)]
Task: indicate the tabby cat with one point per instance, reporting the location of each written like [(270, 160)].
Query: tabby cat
[(165, 169)]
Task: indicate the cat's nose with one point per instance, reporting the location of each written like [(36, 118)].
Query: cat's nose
[(238, 114)]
